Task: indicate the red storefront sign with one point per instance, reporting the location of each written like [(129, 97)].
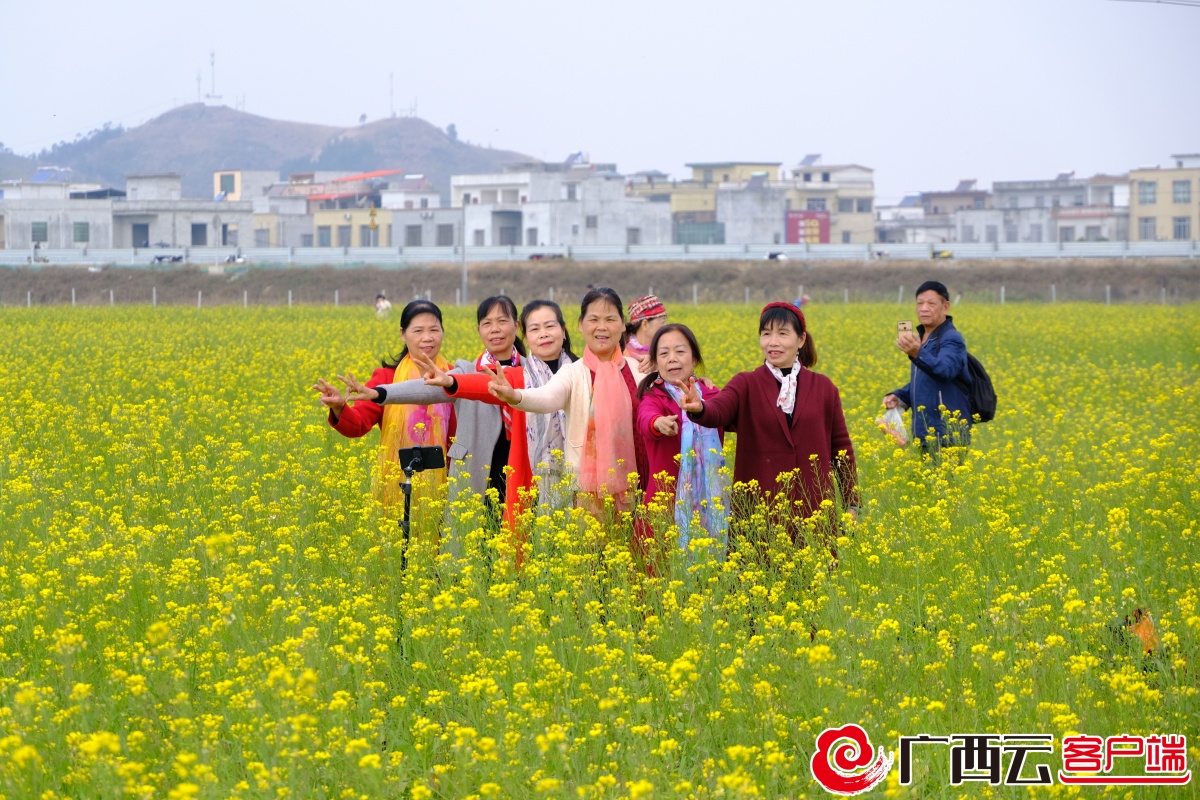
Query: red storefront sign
[(807, 227)]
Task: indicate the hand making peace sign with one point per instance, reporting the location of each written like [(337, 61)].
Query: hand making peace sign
[(692, 401), (358, 390), (431, 372), (500, 387)]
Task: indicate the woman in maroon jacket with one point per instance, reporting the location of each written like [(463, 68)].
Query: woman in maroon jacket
[(789, 420), (687, 462)]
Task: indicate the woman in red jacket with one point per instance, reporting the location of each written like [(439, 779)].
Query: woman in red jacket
[(687, 465), (789, 420), (399, 426)]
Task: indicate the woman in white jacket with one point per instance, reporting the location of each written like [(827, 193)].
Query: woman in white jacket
[(598, 393)]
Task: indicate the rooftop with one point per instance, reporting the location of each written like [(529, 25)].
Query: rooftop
[(706, 164)]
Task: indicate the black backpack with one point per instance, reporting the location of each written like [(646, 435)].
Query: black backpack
[(980, 395)]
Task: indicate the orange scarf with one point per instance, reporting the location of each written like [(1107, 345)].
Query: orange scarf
[(406, 425), (608, 457)]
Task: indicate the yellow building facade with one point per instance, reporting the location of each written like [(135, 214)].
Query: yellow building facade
[(847, 192), (1164, 204), (351, 227)]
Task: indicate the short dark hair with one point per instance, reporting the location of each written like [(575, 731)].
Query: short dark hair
[(933, 286), (673, 327), (776, 316), (411, 312)]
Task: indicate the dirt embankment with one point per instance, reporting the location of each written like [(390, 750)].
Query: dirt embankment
[(711, 281)]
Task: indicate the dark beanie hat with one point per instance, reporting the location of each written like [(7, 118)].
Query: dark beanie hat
[(935, 286)]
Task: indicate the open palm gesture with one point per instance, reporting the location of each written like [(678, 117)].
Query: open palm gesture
[(692, 401), (358, 390), (431, 372), (499, 387)]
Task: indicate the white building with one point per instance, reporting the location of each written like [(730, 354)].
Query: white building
[(56, 216), (557, 205), (902, 223), (409, 192), (754, 213), (154, 213), (1064, 209)]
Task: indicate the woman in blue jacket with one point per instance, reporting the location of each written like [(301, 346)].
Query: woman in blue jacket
[(939, 365)]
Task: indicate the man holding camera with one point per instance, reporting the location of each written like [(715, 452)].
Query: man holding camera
[(941, 411)]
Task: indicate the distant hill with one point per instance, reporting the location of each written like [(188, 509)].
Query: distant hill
[(195, 139), (15, 166)]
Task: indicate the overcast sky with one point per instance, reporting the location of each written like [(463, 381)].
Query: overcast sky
[(926, 92)]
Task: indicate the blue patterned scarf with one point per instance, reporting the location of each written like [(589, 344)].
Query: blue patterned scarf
[(700, 481)]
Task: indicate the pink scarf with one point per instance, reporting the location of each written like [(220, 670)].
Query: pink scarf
[(609, 458)]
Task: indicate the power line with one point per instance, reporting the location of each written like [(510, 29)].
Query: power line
[(1192, 3)]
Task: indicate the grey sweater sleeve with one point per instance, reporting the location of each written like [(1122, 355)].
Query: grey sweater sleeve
[(414, 392)]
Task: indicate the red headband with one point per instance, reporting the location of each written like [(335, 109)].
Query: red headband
[(790, 307)]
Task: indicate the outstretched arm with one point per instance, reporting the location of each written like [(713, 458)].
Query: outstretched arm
[(554, 396), (722, 409), (475, 386)]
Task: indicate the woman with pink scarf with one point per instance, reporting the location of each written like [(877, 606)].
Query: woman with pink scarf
[(599, 395)]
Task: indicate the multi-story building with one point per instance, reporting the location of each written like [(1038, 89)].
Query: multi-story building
[(938, 224), (903, 223), (551, 204), (50, 214), (155, 213), (242, 184), (1164, 203), (845, 191), (1065, 209), (150, 212), (410, 191), (753, 202), (1104, 216)]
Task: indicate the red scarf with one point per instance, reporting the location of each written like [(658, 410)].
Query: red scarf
[(505, 409)]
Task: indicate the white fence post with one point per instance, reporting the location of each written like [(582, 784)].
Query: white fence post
[(900, 295), (199, 298), (29, 299), (1001, 295), (245, 298), (845, 295), (336, 298), (72, 297), (1053, 293), (551, 294), (1107, 295), (154, 297), (111, 299), (747, 300), (695, 293), (289, 298), (458, 296), (1163, 296)]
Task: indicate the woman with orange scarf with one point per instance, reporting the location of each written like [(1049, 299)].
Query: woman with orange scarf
[(399, 425), (599, 395)]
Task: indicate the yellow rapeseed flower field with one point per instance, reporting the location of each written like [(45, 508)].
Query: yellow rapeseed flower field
[(200, 599)]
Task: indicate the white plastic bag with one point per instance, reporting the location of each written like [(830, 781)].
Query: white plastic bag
[(892, 423)]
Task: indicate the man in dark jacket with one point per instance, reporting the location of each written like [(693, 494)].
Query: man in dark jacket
[(939, 363)]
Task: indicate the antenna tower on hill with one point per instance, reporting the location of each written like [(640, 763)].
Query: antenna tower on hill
[(212, 63)]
